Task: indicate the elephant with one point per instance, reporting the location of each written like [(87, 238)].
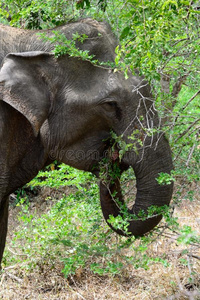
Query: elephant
[(54, 108)]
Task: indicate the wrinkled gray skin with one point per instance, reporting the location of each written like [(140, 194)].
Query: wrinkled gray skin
[(64, 109)]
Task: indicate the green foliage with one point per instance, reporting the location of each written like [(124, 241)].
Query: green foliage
[(188, 236), (81, 4), (65, 46), (63, 176), (73, 233), (37, 14), (155, 33), (165, 178), (184, 134), (118, 142)]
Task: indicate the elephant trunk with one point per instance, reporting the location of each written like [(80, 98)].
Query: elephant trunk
[(149, 192)]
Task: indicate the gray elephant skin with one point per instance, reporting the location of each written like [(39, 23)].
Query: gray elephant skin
[(55, 109)]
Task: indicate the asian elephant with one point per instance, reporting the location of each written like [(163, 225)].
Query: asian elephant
[(53, 108)]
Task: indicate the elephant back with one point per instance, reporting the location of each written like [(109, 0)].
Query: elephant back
[(100, 40)]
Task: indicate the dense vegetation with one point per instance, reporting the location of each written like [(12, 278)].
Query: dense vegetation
[(161, 39)]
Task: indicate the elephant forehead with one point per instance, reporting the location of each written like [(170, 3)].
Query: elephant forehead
[(109, 89), (114, 82), (96, 88), (90, 96)]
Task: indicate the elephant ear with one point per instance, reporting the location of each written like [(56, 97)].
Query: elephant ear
[(24, 85)]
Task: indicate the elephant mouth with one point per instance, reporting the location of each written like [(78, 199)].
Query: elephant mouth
[(151, 198)]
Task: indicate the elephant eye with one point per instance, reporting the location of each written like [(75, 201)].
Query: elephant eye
[(112, 103), (112, 106)]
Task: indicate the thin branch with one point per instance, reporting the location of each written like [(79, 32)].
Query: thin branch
[(190, 155), (178, 52), (186, 105), (191, 99), (177, 87), (179, 41), (194, 256), (186, 131), (12, 276)]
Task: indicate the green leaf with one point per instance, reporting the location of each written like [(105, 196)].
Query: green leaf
[(125, 32)]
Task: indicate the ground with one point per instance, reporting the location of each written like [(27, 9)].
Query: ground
[(158, 282)]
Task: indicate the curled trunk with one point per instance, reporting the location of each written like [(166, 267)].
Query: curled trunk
[(149, 192)]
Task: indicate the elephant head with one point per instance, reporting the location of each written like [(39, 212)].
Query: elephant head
[(73, 106)]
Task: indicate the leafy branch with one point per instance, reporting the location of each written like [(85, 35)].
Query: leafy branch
[(63, 46)]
